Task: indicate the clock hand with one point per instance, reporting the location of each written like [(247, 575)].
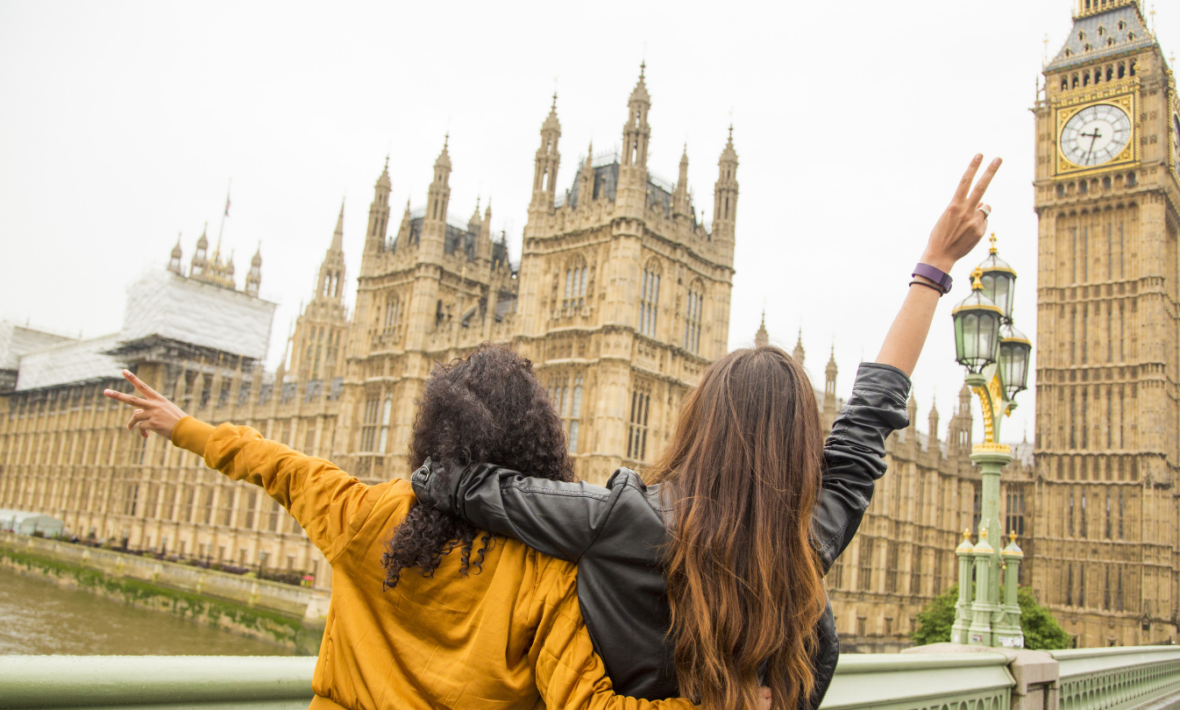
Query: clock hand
[(1093, 137)]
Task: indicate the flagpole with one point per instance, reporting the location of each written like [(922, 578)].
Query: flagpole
[(224, 212)]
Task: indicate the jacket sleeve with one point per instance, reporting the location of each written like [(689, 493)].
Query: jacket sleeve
[(554, 517), (569, 674), (854, 456), (329, 504)]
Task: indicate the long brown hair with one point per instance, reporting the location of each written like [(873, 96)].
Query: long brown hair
[(744, 582)]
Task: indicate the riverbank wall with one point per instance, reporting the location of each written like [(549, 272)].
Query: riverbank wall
[(260, 609)]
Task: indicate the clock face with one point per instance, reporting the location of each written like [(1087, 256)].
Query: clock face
[(1096, 134)]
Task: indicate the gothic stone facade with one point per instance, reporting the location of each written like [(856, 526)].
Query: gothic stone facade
[(621, 298)]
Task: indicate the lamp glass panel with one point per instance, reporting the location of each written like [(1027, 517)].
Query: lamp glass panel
[(1014, 365), (976, 337), (998, 286)]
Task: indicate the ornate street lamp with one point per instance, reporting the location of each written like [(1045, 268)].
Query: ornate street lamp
[(999, 280), (977, 328), (996, 356), (1015, 350)]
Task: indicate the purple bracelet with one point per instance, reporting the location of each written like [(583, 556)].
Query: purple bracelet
[(938, 276)]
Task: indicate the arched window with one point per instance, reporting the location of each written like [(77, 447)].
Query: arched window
[(386, 413), (369, 429), (637, 431), (392, 314), (575, 414), (575, 284), (692, 318), (649, 300)]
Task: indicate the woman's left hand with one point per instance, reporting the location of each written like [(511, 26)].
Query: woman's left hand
[(153, 412)]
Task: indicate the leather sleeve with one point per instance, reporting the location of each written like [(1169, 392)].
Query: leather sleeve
[(854, 455), (569, 674), (554, 517)]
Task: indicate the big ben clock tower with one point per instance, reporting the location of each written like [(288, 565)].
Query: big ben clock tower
[(1108, 327)]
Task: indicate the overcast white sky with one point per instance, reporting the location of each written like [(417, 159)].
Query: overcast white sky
[(122, 123)]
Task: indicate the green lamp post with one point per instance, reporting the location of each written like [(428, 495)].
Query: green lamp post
[(996, 357)]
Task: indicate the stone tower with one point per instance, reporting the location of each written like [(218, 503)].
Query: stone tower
[(1107, 191), (254, 277), (624, 294), (321, 331)]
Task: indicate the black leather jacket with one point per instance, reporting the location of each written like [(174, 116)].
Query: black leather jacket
[(615, 534)]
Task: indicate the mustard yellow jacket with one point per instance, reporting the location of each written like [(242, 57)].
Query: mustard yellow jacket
[(510, 636)]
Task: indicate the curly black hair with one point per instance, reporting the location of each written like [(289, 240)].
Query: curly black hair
[(487, 407)]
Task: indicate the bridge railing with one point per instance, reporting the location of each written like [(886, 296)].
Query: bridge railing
[(942, 677), (1116, 678)]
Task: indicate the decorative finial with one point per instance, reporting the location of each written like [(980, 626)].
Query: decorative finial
[(992, 249), (977, 279), (554, 106), (966, 534), (387, 161), (642, 68), (1012, 537), (983, 534), (446, 140)]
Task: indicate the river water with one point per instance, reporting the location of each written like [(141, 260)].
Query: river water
[(38, 617)]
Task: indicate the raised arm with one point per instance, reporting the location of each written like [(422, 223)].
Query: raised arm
[(554, 517), (327, 502), (854, 454), (958, 230)]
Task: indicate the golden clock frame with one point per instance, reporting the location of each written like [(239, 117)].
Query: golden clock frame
[(1130, 155)]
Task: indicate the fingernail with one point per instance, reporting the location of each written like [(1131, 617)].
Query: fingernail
[(978, 157)]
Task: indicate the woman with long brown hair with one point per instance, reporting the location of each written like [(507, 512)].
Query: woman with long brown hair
[(707, 581)]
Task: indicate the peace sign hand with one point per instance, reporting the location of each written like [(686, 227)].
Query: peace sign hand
[(964, 221), (153, 412)]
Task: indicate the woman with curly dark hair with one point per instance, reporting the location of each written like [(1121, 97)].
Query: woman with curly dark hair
[(488, 407), (502, 630)]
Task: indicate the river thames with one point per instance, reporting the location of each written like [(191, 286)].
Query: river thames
[(38, 617)]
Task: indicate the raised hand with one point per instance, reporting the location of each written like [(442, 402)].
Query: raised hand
[(153, 412), (964, 222)]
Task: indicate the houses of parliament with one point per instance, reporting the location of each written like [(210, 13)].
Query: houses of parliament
[(621, 298)]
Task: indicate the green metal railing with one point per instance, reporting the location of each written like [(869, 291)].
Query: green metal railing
[(894, 681), (1116, 678), (1085, 679), (190, 682)]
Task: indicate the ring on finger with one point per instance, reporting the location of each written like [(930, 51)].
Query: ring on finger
[(987, 211)]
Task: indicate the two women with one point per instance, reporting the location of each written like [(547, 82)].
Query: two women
[(477, 623), (708, 582)]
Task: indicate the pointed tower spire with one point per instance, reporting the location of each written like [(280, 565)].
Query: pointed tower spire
[(725, 196), (439, 193), (932, 426), (799, 354), (330, 285), (254, 278), (378, 212), (338, 235), (546, 162), (174, 262), (636, 131), (830, 372), (762, 338), (680, 200), (200, 262)]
